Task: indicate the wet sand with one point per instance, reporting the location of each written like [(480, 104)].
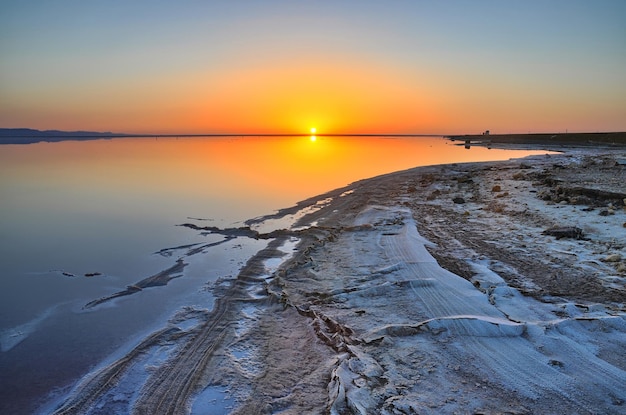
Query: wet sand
[(434, 290)]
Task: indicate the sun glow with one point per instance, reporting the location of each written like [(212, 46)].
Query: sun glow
[(313, 130), (313, 138)]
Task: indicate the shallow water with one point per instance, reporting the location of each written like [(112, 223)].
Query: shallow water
[(107, 206)]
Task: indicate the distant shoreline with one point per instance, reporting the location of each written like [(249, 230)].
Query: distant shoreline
[(31, 136), (610, 138)]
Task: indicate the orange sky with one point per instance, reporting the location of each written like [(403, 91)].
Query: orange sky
[(280, 67)]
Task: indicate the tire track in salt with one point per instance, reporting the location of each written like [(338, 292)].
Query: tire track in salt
[(87, 394), (515, 360), (169, 389), (448, 294)]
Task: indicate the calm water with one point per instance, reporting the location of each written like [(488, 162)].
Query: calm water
[(107, 206)]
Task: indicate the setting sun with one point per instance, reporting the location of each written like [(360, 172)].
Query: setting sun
[(313, 130)]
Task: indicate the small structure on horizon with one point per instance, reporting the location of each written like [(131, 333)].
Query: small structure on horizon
[(486, 132)]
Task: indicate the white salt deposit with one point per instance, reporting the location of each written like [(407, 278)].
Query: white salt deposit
[(514, 342)]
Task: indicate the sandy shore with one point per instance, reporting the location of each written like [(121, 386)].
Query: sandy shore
[(468, 288)]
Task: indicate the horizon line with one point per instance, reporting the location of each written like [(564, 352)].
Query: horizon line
[(84, 133), (110, 134), (287, 135)]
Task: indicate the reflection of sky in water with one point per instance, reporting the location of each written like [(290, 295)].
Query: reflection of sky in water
[(107, 206)]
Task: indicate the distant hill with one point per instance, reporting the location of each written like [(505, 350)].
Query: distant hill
[(28, 136)]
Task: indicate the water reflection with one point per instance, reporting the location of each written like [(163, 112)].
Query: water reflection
[(182, 177), (97, 204), (69, 202)]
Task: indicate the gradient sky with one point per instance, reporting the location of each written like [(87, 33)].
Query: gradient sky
[(286, 66)]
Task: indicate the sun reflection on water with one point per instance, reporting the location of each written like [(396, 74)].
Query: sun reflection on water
[(273, 171)]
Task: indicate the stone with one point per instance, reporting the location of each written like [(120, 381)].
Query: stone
[(612, 258), (565, 232)]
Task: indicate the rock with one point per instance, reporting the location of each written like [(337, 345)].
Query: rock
[(433, 195), (581, 200), (612, 258), (544, 195), (496, 188), (458, 200), (565, 232)]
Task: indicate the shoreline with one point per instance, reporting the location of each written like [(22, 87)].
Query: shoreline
[(545, 140), (355, 320)]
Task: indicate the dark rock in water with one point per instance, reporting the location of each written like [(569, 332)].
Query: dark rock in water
[(458, 200), (565, 232), (157, 280), (604, 212)]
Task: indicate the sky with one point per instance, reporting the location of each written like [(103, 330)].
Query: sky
[(402, 67)]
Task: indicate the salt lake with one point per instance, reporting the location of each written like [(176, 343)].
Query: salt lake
[(81, 220)]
